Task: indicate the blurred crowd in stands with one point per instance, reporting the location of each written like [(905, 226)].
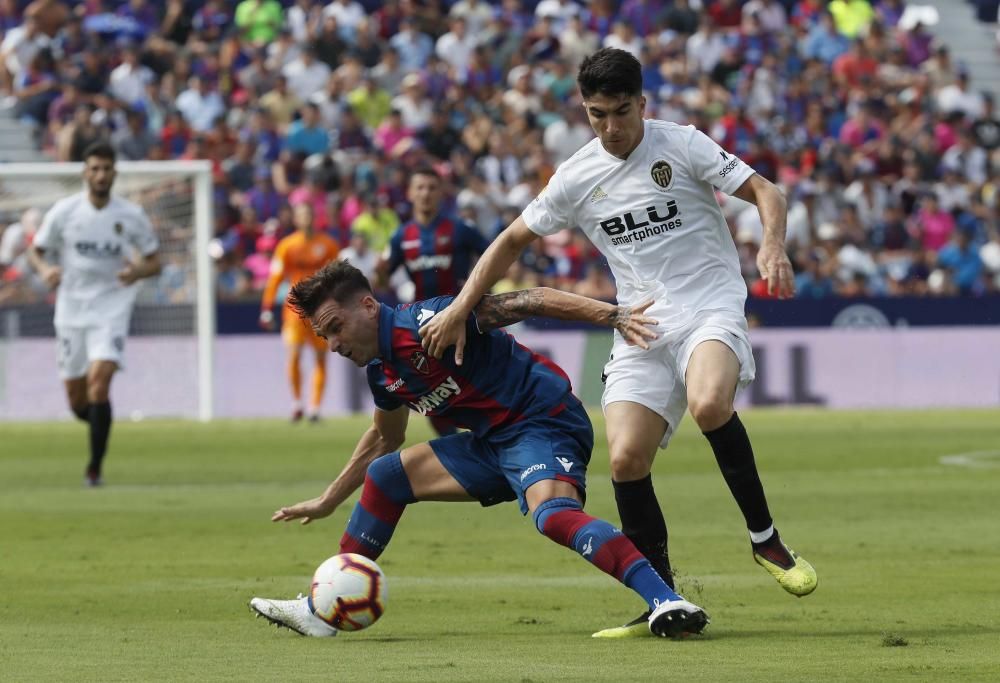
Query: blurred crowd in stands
[(888, 154)]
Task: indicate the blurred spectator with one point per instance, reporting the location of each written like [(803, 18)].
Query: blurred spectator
[(375, 222), (280, 103), (264, 199), (932, 226), (134, 142), (959, 97), (360, 255), (79, 134), (371, 103), (412, 46), (259, 20), (851, 16), (305, 74), (239, 168), (306, 135), (986, 128), (201, 104), (130, 78), (961, 257), (824, 41)]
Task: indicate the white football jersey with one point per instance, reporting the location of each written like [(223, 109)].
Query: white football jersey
[(655, 217), (94, 245)]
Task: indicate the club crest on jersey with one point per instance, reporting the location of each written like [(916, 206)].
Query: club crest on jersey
[(661, 173), (420, 363), (119, 228)]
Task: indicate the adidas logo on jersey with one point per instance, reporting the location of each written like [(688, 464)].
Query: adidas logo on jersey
[(424, 315), (597, 195)]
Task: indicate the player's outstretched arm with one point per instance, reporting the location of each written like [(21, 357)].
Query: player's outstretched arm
[(772, 260), (499, 310), (387, 434), (448, 327)]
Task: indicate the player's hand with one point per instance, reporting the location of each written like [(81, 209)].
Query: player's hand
[(266, 320), (307, 511), (634, 326), (445, 329), (52, 276), (128, 274), (776, 269)]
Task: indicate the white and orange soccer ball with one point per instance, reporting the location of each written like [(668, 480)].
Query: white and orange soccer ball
[(348, 592)]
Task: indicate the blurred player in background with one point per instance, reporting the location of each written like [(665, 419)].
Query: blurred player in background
[(644, 192), (296, 257), (529, 437), (436, 249), (104, 245)]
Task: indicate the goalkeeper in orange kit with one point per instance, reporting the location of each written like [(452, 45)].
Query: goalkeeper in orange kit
[(296, 257)]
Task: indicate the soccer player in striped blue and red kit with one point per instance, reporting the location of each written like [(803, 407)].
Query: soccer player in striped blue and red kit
[(529, 438), (436, 249)]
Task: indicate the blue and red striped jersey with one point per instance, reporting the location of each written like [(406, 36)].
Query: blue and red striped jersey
[(500, 382), (437, 256)]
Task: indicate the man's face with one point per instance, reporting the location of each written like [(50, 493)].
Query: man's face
[(616, 120), (302, 217), (350, 330), (99, 175), (424, 192)]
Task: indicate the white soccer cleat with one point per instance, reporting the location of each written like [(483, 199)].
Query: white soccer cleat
[(293, 614), (677, 619)]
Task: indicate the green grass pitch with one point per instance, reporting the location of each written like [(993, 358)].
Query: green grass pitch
[(148, 578)]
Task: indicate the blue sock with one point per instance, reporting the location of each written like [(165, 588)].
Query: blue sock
[(644, 580)]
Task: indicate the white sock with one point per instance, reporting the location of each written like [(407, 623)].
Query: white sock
[(761, 536)]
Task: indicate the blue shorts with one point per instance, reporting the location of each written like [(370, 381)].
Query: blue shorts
[(500, 466)]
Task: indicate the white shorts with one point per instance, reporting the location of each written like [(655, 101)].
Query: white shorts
[(78, 347), (656, 378)]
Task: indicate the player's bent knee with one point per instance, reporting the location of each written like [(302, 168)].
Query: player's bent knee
[(553, 507), (389, 477), (629, 464), (710, 410)]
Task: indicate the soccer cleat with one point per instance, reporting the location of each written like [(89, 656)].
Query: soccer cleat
[(296, 416), (314, 418), (637, 628), (92, 479), (293, 614), (792, 572), (677, 619)]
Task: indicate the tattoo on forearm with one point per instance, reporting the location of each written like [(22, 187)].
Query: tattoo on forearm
[(620, 318), (500, 310)]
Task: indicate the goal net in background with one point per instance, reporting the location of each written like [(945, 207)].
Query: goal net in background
[(168, 357)]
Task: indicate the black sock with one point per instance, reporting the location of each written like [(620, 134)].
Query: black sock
[(734, 454), (100, 429), (83, 413), (643, 523), (774, 550)]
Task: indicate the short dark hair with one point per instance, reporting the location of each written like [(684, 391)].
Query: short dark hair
[(337, 280), (610, 72), (425, 170), (101, 150)]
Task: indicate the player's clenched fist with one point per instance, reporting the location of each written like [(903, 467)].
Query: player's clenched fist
[(52, 276)]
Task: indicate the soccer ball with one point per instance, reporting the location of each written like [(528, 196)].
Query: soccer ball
[(348, 592)]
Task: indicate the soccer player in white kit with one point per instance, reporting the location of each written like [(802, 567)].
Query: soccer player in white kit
[(104, 245), (644, 193)]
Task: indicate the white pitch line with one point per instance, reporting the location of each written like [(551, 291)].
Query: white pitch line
[(974, 459)]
